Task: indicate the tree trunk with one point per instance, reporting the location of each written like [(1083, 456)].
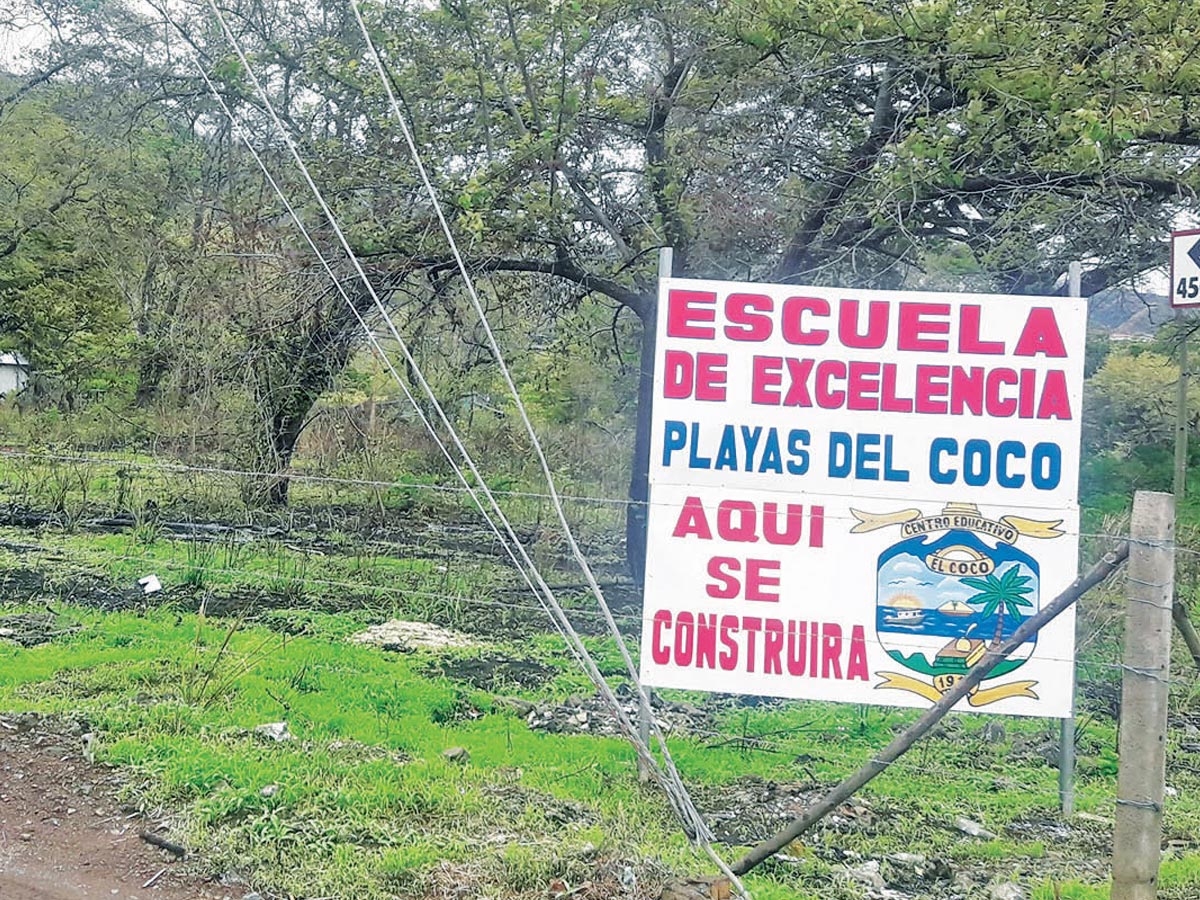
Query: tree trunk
[(285, 435), (295, 367), (639, 481), (152, 369)]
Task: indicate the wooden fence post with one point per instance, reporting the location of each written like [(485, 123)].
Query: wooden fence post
[(1150, 584)]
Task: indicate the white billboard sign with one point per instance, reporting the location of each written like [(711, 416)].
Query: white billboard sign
[(855, 493)]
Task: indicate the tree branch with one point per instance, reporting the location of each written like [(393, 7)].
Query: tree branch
[(1161, 186), (39, 79), (798, 257), (658, 157), (69, 194), (560, 267)]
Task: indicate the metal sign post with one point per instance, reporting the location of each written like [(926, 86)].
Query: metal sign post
[(1185, 292), (1066, 742), (1181, 411), (666, 265)]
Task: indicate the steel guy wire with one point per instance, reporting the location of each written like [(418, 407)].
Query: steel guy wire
[(614, 501), (401, 546), (266, 578), (276, 580), (555, 498), (469, 284), (688, 810), (575, 647), (369, 586), (761, 743), (35, 454), (370, 334), (354, 310), (1148, 805), (687, 815)]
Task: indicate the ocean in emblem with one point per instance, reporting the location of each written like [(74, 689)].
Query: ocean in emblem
[(889, 618), (937, 623)]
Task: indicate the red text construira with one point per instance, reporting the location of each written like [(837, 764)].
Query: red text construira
[(759, 644)]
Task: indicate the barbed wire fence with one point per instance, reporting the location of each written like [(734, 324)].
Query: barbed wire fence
[(453, 554), (464, 573)]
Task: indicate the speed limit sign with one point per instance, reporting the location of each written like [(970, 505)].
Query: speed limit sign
[(1185, 268)]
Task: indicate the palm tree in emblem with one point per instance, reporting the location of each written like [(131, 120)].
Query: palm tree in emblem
[(998, 596)]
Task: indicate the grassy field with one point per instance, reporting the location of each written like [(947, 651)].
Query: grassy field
[(254, 627)]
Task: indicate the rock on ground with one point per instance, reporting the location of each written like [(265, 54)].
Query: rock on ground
[(1005, 891), (698, 889), (273, 731)]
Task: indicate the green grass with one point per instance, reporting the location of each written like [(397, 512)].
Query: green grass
[(365, 769), (367, 807), (427, 588)]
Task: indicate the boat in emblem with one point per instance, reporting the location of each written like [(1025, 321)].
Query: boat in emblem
[(955, 608), (908, 612)]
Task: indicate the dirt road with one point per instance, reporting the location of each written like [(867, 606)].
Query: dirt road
[(64, 834)]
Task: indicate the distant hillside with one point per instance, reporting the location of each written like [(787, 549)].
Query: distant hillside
[(1127, 314)]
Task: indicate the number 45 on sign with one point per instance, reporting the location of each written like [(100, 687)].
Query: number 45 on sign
[(1185, 268)]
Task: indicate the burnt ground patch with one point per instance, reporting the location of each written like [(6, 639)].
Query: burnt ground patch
[(20, 585), (33, 629), (494, 672)]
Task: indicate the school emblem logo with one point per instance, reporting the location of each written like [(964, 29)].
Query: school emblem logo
[(952, 588)]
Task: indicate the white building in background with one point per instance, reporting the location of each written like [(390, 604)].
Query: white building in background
[(14, 373)]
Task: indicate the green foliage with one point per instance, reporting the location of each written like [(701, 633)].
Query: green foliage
[(1129, 422), (164, 295), (365, 804), (1131, 400), (59, 304), (1008, 591)]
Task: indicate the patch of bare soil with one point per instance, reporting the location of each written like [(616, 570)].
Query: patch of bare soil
[(493, 672), (64, 834), (32, 629), (752, 809), (21, 585)]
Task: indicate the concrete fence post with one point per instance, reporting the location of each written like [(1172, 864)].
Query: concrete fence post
[(1141, 781)]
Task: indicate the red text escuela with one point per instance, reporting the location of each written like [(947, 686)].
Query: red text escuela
[(866, 385)]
